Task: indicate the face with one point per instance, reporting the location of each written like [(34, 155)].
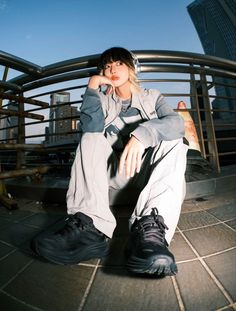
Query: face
[(118, 72)]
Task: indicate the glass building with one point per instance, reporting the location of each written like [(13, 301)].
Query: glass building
[(215, 22), (61, 118)]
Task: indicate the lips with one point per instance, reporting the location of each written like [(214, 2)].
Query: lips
[(115, 78)]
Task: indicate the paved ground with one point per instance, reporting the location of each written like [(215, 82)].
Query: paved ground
[(204, 246)]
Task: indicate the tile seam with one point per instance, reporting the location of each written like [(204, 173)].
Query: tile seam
[(211, 225), (81, 264), (211, 274), (223, 221), (193, 211), (207, 256), (198, 208), (187, 260), (226, 307), (17, 274), (87, 291), (17, 220), (178, 294), (200, 227), (228, 226), (8, 254), (21, 301), (8, 244), (219, 253)]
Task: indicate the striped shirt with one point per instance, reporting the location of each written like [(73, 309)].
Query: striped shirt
[(127, 121)]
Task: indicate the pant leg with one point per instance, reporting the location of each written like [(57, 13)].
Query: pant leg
[(89, 183), (165, 188)]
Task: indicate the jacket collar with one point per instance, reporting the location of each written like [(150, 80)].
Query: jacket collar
[(136, 101)]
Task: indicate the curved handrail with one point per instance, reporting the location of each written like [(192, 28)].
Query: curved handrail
[(34, 72), (17, 63), (204, 73)]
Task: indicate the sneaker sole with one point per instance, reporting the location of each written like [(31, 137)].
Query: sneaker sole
[(159, 265), (98, 250)]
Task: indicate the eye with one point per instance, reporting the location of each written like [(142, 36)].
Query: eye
[(119, 63), (107, 66)]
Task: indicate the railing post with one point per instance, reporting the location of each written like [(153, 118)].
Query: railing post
[(4, 78), (210, 131), (196, 114), (20, 161)]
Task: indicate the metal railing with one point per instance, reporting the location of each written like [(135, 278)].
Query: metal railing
[(25, 105)]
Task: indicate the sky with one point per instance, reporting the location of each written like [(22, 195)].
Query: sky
[(49, 31)]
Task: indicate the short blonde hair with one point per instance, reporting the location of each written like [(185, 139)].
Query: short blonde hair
[(121, 54)]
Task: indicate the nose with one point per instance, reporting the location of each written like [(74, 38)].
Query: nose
[(113, 68)]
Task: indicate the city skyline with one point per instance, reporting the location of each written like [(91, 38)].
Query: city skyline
[(70, 29), (48, 32)]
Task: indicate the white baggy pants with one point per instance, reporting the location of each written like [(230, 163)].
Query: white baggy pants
[(161, 180)]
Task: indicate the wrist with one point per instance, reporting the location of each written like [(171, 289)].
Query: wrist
[(93, 83)]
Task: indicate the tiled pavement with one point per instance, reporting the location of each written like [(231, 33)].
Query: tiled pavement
[(204, 246)]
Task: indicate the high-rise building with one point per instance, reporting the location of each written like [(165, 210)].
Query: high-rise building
[(3, 131), (12, 124), (56, 111), (63, 118), (215, 22)]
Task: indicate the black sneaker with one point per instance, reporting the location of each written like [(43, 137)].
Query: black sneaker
[(147, 249), (79, 240)]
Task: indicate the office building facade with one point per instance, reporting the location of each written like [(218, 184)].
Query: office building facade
[(215, 22), (63, 118)]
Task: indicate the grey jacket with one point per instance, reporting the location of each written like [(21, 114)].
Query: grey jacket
[(98, 111)]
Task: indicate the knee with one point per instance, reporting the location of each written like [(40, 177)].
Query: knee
[(92, 137), (95, 141)]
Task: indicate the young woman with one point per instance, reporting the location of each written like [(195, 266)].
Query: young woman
[(131, 137)]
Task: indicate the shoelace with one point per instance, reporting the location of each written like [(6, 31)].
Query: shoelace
[(153, 228), (71, 224)]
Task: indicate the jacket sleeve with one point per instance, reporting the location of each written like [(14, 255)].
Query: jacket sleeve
[(168, 125), (91, 113)]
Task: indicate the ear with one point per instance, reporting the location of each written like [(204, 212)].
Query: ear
[(136, 63)]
